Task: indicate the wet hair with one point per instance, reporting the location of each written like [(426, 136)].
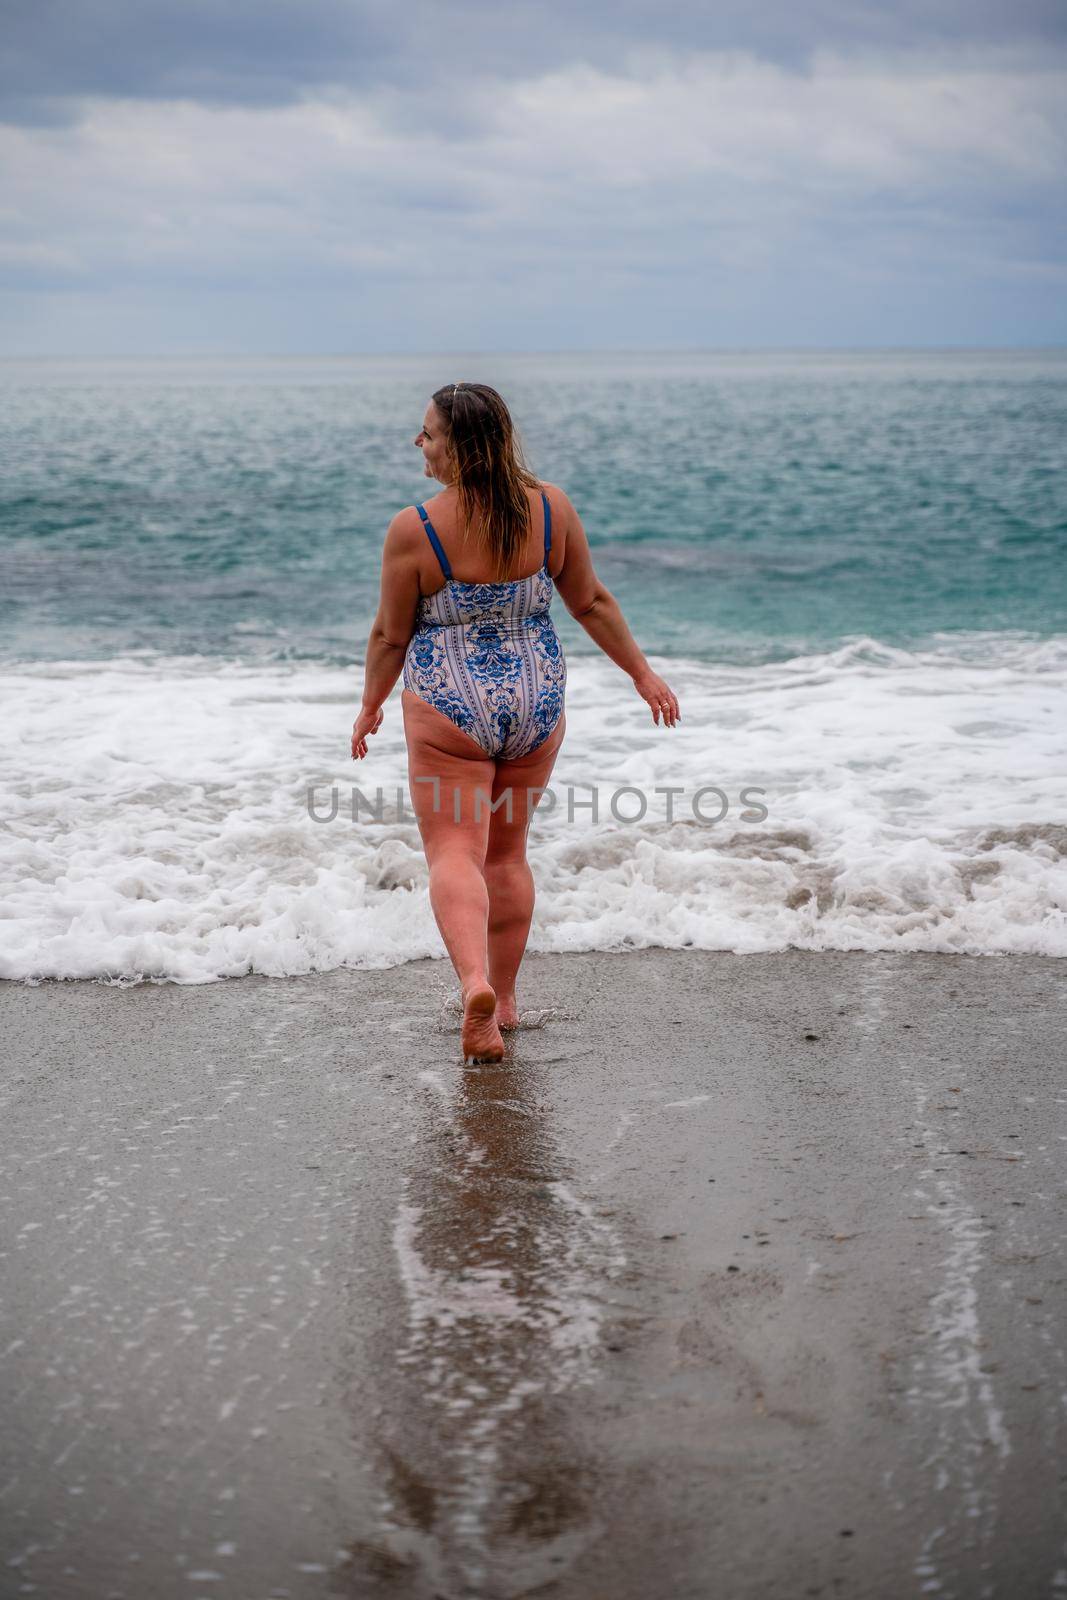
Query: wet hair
[(492, 475)]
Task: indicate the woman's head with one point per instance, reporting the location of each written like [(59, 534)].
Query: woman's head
[(469, 443)]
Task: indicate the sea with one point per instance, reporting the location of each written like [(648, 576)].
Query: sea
[(848, 565)]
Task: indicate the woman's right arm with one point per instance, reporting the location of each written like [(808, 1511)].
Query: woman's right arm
[(599, 613)]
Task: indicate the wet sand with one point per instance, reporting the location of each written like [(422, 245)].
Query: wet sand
[(741, 1276)]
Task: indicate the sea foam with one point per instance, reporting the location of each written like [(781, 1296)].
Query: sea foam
[(166, 817)]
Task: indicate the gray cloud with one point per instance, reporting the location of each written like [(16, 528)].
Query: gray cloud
[(330, 176), (57, 52)]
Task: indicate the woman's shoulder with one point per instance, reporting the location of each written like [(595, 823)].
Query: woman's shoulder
[(557, 499), (404, 534), (410, 514)]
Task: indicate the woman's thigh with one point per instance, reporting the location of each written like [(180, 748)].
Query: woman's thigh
[(523, 777), (446, 771)]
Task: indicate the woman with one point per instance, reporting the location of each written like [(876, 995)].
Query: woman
[(484, 679)]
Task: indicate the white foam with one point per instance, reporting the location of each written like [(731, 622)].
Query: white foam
[(158, 822)]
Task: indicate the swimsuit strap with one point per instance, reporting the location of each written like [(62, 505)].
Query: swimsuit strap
[(548, 525), (435, 541)]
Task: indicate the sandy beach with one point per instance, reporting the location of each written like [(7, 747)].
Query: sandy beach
[(742, 1276)]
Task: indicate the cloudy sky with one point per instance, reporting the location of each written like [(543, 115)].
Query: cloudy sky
[(337, 176)]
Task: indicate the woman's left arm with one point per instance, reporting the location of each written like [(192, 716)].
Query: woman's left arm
[(391, 630)]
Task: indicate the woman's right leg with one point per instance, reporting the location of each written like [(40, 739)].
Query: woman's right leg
[(446, 768), (507, 871)]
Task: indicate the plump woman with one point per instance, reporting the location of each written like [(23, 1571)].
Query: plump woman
[(467, 581)]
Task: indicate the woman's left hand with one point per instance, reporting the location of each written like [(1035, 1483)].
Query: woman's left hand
[(367, 722)]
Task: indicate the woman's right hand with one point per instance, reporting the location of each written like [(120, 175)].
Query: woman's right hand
[(659, 695), (366, 722)]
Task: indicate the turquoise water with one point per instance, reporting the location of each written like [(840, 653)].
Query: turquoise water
[(743, 508), (848, 567)]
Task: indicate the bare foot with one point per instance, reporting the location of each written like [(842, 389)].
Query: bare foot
[(481, 1035), (507, 1012)]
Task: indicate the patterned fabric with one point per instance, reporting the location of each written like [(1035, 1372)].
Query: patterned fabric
[(488, 656)]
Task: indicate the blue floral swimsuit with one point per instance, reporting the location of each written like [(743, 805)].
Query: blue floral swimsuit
[(489, 657)]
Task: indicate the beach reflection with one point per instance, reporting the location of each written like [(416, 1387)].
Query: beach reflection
[(506, 1272)]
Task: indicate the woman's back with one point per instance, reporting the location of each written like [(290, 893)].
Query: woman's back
[(467, 558), (485, 653)]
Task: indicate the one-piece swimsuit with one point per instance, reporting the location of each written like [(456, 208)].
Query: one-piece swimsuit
[(487, 655)]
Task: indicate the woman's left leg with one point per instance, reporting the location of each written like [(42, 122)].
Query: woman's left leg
[(446, 769), (507, 871)]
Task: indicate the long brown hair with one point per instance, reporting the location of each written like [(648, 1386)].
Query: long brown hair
[(492, 475)]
